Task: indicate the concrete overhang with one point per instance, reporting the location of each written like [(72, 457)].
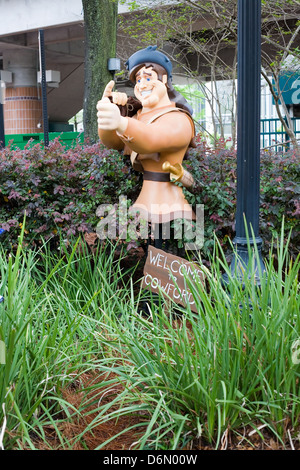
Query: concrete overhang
[(63, 25)]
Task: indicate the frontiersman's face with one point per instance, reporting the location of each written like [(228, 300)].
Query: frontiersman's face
[(148, 88)]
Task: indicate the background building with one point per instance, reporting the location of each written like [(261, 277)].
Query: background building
[(63, 25)]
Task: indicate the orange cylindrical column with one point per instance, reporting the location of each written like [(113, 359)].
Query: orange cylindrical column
[(22, 104), (22, 110)]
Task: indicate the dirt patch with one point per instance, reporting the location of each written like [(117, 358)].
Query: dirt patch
[(88, 394)]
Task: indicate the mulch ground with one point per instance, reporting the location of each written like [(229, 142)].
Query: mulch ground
[(246, 438)]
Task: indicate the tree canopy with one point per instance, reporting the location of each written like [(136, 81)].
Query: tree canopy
[(201, 39)]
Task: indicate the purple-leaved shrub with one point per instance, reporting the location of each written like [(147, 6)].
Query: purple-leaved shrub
[(61, 188)]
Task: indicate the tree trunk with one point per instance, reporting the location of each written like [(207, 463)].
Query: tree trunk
[(100, 19)]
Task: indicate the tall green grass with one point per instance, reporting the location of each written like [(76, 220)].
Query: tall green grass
[(227, 368), (51, 306)]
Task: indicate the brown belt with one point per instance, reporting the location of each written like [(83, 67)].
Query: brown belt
[(156, 176)]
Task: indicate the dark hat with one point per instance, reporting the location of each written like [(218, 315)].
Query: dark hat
[(150, 54)]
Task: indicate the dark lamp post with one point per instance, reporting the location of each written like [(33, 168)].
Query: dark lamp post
[(248, 136)]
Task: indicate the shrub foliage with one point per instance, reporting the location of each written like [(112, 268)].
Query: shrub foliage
[(60, 189), (215, 175)]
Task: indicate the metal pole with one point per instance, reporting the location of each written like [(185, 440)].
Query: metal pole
[(2, 131), (248, 133), (44, 87)]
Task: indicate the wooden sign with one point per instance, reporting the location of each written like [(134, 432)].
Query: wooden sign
[(171, 275)]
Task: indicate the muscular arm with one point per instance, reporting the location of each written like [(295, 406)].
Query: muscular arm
[(171, 132), (110, 139)]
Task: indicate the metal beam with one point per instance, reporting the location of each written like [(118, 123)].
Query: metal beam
[(44, 87), (2, 131)]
